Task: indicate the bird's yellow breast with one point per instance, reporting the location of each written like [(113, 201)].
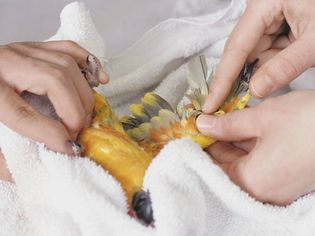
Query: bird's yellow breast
[(117, 154)]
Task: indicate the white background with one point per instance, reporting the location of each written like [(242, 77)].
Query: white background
[(120, 22)]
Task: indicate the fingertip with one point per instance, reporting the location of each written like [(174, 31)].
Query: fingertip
[(96, 66), (57, 138), (219, 90), (205, 124), (103, 77), (211, 104), (260, 86), (254, 92)]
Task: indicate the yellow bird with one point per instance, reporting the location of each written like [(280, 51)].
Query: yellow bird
[(126, 147)]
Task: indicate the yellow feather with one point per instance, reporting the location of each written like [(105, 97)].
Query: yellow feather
[(117, 154), (139, 112), (104, 114)]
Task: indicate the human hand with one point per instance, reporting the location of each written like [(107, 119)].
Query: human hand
[(52, 69), (5, 174), (273, 156), (260, 33)]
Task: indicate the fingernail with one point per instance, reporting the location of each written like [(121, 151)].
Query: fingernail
[(260, 86), (76, 148), (204, 124)]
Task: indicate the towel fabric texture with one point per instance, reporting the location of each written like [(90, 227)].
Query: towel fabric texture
[(54, 194)]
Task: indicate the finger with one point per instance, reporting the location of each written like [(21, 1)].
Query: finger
[(241, 43), (77, 52), (16, 114), (283, 68), (291, 37), (47, 79), (66, 63), (264, 44), (223, 152), (230, 159), (284, 41), (281, 42), (233, 126), (247, 145), (283, 28), (266, 56)]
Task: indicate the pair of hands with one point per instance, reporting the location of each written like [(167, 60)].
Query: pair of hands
[(52, 69), (268, 149)]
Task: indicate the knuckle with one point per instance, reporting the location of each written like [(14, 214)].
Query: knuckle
[(57, 72), (15, 45), (6, 51), (19, 46), (69, 44), (58, 77), (66, 60)]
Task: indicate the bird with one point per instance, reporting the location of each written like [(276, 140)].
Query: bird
[(126, 146)]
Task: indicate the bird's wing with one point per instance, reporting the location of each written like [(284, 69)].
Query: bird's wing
[(154, 122)]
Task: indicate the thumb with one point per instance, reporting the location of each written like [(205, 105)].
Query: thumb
[(233, 126), (282, 68)]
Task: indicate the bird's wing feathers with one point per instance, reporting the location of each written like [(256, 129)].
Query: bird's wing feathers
[(239, 95), (154, 120), (104, 116)]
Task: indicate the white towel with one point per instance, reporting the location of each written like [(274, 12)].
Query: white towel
[(54, 194), (164, 48)]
